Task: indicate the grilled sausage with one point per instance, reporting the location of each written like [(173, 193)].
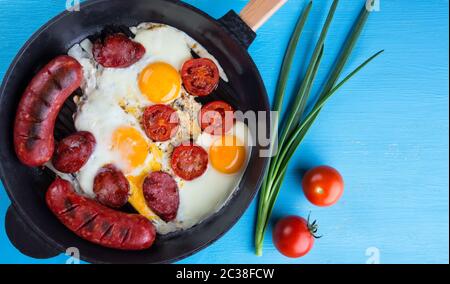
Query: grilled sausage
[(97, 223), (39, 108)]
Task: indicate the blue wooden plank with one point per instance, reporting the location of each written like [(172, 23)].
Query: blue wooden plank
[(386, 131)]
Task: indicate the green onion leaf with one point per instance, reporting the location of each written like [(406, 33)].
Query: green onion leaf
[(296, 127), (279, 95), (300, 133), (288, 58), (302, 97)]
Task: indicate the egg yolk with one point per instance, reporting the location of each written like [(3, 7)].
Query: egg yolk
[(159, 82), (137, 199), (227, 154), (133, 148)]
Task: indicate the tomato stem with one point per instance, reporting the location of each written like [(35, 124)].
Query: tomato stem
[(313, 227)]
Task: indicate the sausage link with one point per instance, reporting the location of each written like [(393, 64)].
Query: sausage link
[(97, 223), (39, 107)]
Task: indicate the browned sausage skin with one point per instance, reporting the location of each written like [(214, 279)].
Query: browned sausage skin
[(97, 223), (39, 108)]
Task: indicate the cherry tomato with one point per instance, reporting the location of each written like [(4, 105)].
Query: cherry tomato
[(216, 117), (294, 236), (160, 122), (200, 76), (323, 186), (189, 161)]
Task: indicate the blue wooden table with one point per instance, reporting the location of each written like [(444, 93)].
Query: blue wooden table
[(386, 131)]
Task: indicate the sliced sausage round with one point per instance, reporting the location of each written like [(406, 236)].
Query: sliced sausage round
[(161, 195), (73, 152), (117, 51), (111, 187)]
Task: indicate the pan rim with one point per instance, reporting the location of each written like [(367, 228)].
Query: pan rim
[(28, 220)]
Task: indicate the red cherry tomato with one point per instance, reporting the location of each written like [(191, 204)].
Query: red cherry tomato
[(189, 161), (293, 236), (200, 76), (160, 122), (216, 117), (323, 186)]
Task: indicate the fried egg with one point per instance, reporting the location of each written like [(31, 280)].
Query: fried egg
[(228, 158), (111, 108)]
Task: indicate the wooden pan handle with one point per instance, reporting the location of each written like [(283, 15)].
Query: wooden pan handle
[(257, 12)]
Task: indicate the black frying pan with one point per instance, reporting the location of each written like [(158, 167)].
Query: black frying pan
[(29, 224)]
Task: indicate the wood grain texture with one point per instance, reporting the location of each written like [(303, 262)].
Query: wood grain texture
[(257, 12), (386, 131)]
